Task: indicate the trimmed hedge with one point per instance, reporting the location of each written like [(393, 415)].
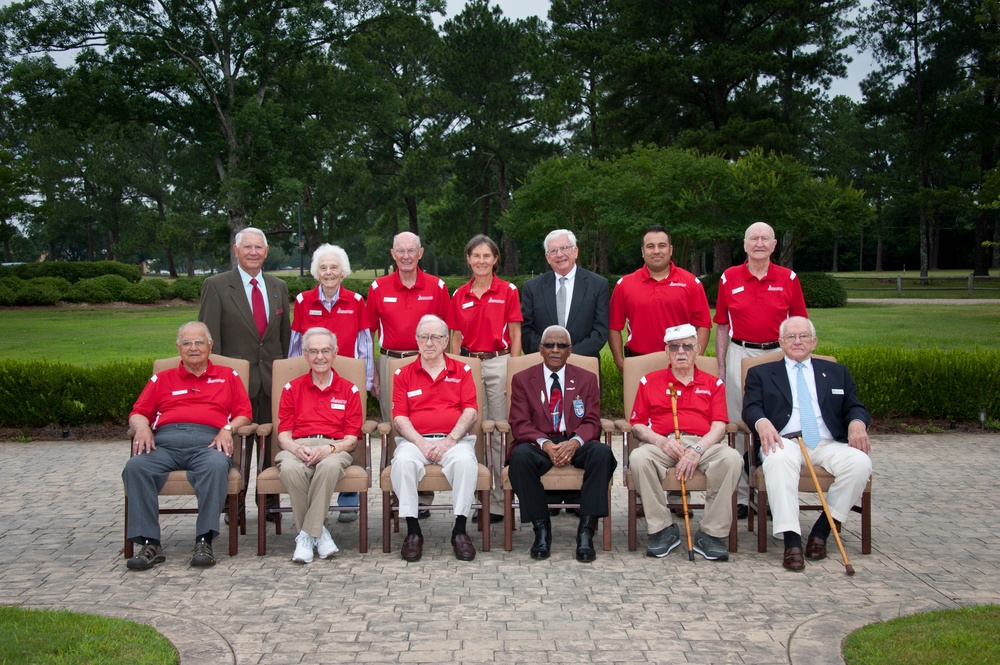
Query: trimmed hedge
[(72, 271), (892, 383), (106, 288), (142, 293)]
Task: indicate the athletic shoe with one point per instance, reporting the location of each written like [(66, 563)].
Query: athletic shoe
[(710, 547), (325, 546), (148, 556), (303, 548), (202, 555), (661, 542)]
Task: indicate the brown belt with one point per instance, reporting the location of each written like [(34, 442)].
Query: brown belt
[(766, 346), (484, 355), (399, 354)]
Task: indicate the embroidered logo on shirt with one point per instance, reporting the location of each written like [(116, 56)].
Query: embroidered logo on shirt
[(775, 288), (452, 380), (702, 391), (677, 284), (498, 301), (216, 381), (421, 298), (345, 311)]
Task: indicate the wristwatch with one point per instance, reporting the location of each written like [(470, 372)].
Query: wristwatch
[(228, 428), (697, 449)]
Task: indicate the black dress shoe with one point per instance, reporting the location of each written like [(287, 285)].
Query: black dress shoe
[(553, 512), (585, 539), (542, 546), (495, 519), (464, 549), (742, 511), (793, 559)]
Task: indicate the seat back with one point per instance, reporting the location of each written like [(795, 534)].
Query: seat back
[(515, 365), (285, 370), (482, 453), (771, 357)]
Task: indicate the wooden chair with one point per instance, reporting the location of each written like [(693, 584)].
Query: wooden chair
[(177, 482), (635, 368), (558, 478), (434, 480), (758, 488), (357, 477)]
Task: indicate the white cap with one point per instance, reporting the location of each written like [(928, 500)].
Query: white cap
[(680, 332)]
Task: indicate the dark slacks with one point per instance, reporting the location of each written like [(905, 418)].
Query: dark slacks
[(528, 463)]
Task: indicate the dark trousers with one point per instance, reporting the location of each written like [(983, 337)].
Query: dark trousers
[(528, 463)]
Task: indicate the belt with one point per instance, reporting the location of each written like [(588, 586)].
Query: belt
[(434, 435), (766, 346), (399, 354), (316, 436), (484, 355)]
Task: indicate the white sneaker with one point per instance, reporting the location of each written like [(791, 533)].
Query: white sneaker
[(303, 548), (325, 545)]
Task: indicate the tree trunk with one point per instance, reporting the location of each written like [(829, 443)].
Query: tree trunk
[(787, 255), (723, 256), (935, 242), (411, 213), (836, 246), (171, 266)]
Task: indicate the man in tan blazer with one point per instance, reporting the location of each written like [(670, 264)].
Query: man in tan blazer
[(240, 330)]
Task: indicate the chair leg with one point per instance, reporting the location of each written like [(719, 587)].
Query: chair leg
[(484, 518), (129, 551), (866, 522), (386, 522), (261, 525), (733, 543), (508, 520), (633, 539), (363, 522), (607, 524), (761, 520), (234, 524)]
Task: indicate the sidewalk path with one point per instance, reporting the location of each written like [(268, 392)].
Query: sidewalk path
[(934, 531)]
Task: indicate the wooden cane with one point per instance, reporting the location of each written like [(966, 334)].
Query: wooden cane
[(684, 494), (849, 569)]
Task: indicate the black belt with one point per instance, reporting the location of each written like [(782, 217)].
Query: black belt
[(484, 355), (316, 436), (434, 435), (766, 346), (399, 354)]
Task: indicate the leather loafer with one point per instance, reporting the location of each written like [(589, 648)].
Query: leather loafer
[(464, 549), (542, 546), (413, 547), (585, 540), (815, 548), (793, 559)]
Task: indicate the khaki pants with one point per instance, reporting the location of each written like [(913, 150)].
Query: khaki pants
[(311, 487)]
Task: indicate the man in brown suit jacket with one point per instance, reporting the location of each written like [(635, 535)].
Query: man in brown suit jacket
[(555, 421), (227, 310)]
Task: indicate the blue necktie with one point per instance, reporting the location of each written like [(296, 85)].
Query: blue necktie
[(810, 430)]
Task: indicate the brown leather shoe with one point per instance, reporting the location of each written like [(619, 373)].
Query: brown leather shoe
[(815, 548), (413, 547), (464, 549), (793, 559)]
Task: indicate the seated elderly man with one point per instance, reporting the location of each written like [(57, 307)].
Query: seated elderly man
[(433, 408), (183, 420), (702, 418), (555, 413), (319, 422), (818, 400)]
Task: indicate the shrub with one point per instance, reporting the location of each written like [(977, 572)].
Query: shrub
[(187, 288), (162, 287), (7, 295), (106, 288), (142, 293), (73, 271), (41, 291), (822, 291)]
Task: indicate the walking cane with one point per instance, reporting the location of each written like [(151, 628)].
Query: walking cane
[(684, 493), (849, 569)]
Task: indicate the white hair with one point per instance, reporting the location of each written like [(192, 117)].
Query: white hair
[(313, 332), (557, 233), (327, 249), (249, 229)]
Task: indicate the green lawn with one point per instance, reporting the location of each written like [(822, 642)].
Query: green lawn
[(90, 336)]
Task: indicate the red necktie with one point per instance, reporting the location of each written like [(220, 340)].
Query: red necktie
[(555, 402), (259, 308)]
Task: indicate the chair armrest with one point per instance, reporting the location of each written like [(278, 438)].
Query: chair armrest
[(385, 446), (247, 430), (623, 426), (503, 426), (368, 427), (264, 430), (384, 428), (608, 425), (489, 426)]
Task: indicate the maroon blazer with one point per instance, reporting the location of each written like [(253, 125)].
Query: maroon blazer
[(529, 406)]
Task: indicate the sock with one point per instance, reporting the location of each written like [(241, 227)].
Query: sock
[(207, 537), (821, 529), (792, 539), (147, 541), (413, 526), (459, 525)]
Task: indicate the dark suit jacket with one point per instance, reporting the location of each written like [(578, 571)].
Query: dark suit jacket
[(588, 312), (530, 417), (227, 313), (768, 394)]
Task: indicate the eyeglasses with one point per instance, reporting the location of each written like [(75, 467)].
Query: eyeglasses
[(802, 337), (674, 348), (312, 353), (197, 343), (406, 252), (423, 339), (560, 250), (562, 346)]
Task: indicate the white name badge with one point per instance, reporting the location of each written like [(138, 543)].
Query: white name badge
[(179, 392), (315, 312), (338, 407), (738, 290), (838, 391), (389, 299), (468, 305), (415, 393)]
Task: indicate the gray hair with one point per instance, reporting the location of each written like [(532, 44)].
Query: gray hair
[(313, 332), (796, 319), (433, 320), (554, 329), (249, 229), (406, 234), (193, 324), (327, 249), (555, 234)]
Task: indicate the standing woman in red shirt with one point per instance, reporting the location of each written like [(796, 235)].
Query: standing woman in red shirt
[(343, 313), (485, 319)]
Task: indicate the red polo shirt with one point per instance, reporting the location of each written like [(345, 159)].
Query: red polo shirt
[(652, 306), (699, 403), (346, 317), (334, 411), (483, 321), (394, 310), (754, 308), (178, 396), (433, 405)]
